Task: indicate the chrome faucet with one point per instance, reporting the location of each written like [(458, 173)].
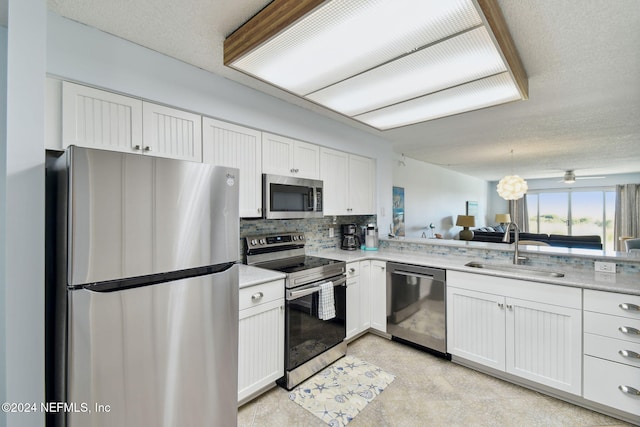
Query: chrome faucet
[(516, 237)]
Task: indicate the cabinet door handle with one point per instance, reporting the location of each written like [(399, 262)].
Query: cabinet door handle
[(257, 296), (629, 390), (501, 305), (136, 147), (629, 307), (352, 270), (629, 330), (292, 170), (509, 306), (629, 353), (147, 148)]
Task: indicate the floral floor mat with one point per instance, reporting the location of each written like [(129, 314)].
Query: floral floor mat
[(339, 392)]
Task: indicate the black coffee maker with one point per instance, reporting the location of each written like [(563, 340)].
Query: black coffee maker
[(350, 238)]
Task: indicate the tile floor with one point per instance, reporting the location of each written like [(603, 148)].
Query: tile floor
[(429, 391)]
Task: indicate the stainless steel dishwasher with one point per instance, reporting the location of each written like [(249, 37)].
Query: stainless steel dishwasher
[(416, 306)]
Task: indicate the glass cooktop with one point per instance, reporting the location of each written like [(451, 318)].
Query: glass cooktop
[(299, 263)]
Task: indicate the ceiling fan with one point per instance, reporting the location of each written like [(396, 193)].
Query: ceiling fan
[(570, 177)]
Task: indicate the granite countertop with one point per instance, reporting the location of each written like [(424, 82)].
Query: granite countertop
[(250, 275), (574, 277), (610, 256)]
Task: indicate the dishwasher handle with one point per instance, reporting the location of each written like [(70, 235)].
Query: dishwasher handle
[(410, 274), (420, 271)]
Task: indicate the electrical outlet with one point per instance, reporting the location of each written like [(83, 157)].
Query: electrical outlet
[(605, 267), (330, 231)]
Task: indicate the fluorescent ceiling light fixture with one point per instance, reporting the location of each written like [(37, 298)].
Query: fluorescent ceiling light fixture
[(460, 99), (362, 58)]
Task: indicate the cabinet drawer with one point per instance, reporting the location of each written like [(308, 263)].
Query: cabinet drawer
[(612, 303), (260, 294), (545, 293), (609, 348), (610, 326), (353, 269), (602, 379)]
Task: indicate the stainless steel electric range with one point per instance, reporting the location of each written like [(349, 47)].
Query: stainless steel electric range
[(311, 343)]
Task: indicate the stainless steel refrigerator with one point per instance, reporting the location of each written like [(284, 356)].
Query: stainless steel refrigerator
[(142, 290)]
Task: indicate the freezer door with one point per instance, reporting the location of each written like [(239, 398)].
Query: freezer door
[(159, 355), (134, 215)]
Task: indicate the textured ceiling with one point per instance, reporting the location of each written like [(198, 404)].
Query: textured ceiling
[(582, 59)]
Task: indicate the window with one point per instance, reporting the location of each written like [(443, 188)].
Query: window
[(579, 212)]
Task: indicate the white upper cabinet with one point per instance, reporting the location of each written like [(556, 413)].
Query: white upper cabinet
[(225, 144), (361, 185), (289, 157), (98, 119), (334, 173), (349, 183), (172, 133)]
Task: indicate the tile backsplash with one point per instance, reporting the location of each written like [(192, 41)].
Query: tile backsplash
[(432, 248), (316, 230)]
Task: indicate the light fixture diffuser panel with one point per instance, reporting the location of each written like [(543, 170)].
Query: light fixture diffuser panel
[(386, 63), (482, 93), (467, 57), (345, 37)]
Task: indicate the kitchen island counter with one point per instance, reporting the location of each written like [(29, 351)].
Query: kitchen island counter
[(628, 283)]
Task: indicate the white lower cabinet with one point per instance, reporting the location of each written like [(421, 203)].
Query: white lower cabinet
[(378, 290), (528, 329), (476, 326), (358, 298), (260, 338), (612, 350)]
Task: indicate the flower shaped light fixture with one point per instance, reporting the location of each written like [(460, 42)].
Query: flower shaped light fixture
[(385, 63), (512, 187)]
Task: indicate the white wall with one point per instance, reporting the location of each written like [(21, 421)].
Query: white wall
[(24, 209), (3, 180), (84, 54), (436, 195)]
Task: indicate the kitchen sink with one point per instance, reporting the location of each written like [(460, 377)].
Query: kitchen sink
[(514, 269)]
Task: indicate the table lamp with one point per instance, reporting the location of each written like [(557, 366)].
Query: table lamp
[(503, 218), (466, 221)]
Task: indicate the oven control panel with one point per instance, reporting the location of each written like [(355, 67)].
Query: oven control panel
[(275, 240)]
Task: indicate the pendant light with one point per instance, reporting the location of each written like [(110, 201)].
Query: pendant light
[(512, 187)]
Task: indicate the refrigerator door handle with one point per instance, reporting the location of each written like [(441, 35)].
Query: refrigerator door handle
[(154, 279)]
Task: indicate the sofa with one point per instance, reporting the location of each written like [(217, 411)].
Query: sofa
[(495, 234)]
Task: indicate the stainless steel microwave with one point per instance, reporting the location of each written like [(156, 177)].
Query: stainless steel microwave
[(289, 197)]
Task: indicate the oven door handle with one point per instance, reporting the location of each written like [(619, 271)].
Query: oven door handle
[(291, 295)]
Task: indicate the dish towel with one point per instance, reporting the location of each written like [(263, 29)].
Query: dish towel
[(326, 302)]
